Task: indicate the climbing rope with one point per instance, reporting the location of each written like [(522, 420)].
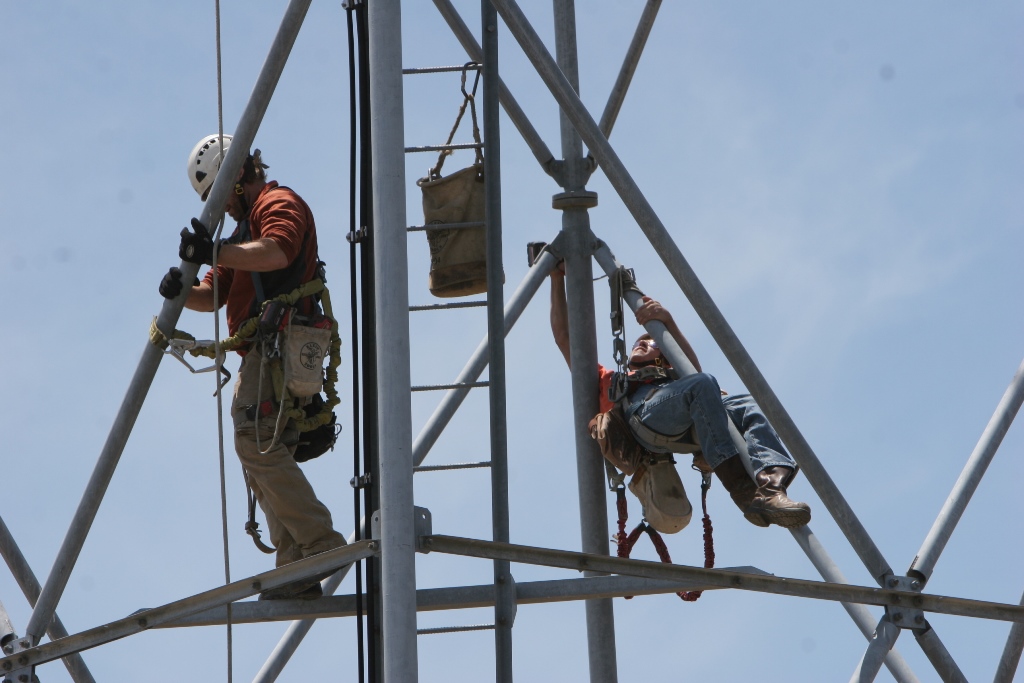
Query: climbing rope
[(247, 333), (626, 542), (219, 358)]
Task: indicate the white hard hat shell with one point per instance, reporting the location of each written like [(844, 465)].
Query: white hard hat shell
[(205, 161)]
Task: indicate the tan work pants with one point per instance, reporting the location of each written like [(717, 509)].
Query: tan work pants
[(299, 524)]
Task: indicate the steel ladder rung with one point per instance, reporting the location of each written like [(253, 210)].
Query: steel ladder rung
[(444, 148), (441, 69), (453, 466), (446, 226), (453, 629), (441, 307), (445, 387)]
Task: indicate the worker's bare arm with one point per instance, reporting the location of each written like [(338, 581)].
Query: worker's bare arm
[(200, 298), (260, 256), (560, 312)]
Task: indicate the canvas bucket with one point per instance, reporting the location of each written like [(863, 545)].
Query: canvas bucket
[(458, 257)]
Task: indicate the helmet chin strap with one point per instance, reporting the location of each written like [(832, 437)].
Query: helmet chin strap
[(658, 362)]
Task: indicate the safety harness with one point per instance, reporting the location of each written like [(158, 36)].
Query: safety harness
[(270, 317), (625, 543), (623, 384)]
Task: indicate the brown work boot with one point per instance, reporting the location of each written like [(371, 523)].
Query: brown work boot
[(772, 503), (741, 488)]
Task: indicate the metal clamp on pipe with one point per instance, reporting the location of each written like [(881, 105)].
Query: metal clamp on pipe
[(907, 615), (574, 199)]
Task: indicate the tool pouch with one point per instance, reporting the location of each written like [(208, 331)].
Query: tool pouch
[(616, 441), (458, 257), (304, 351)]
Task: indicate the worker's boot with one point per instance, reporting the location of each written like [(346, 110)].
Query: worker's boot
[(741, 488), (772, 503)]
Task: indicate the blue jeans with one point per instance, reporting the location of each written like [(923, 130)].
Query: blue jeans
[(696, 401)]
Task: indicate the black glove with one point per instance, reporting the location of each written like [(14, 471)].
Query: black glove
[(196, 247), (170, 286)]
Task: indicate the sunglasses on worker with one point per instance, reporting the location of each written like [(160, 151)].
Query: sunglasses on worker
[(649, 343)]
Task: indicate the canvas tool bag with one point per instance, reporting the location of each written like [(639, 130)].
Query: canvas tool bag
[(616, 442), (657, 485), (305, 349), (655, 481), (458, 256)]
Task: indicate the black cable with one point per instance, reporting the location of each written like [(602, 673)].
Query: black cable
[(371, 494), (354, 302)]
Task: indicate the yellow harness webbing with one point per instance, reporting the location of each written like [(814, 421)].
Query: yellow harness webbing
[(247, 332)]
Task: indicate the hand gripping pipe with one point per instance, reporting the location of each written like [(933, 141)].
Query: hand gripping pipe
[(244, 135), (699, 298), (667, 343)]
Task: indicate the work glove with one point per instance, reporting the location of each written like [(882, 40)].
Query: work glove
[(170, 285), (197, 246)]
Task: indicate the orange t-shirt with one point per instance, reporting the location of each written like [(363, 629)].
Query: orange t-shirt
[(281, 215)]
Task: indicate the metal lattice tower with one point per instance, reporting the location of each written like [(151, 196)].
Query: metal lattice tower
[(403, 529)]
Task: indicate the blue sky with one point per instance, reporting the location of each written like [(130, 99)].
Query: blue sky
[(844, 179)]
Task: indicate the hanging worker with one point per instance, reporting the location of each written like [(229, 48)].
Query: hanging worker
[(273, 248), (670, 407)]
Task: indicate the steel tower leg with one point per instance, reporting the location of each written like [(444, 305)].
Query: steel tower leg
[(504, 586), (398, 539), (577, 249)]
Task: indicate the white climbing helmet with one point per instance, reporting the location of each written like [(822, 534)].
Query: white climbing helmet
[(205, 161)]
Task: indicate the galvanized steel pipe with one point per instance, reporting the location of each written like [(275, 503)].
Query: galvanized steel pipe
[(391, 283)]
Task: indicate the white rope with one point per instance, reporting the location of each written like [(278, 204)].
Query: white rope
[(219, 355)]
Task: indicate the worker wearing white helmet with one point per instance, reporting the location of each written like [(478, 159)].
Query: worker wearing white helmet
[(272, 251), (661, 412)]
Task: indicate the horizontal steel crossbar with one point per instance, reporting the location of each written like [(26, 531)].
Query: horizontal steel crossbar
[(724, 578), (158, 616), (441, 599), (454, 304)]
